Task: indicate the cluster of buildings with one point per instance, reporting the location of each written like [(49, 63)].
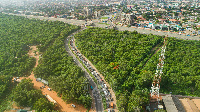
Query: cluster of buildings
[(176, 103), (181, 16)]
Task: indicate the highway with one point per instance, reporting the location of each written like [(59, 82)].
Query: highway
[(120, 28), (147, 31), (95, 93)]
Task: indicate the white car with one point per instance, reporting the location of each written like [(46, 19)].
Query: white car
[(105, 86), (105, 93), (49, 89), (73, 105)]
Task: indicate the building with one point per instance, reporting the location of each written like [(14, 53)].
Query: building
[(127, 19), (87, 11), (177, 103), (97, 14)]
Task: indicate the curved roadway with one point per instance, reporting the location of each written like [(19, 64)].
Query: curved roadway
[(96, 93)]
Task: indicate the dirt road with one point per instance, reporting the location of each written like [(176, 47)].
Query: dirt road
[(62, 106)]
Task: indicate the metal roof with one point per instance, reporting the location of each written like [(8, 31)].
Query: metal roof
[(169, 103)]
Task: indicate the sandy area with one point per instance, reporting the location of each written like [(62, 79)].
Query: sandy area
[(62, 106)]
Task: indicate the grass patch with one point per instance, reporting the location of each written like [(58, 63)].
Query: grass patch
[(104, 18), (104, 23)]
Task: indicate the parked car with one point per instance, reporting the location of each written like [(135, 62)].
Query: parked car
[(105, 86), (108, 105), (49, 89), (73, 105)]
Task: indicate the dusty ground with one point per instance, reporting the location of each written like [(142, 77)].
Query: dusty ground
[(62, 106)]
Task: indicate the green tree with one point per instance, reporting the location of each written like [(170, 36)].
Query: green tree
[(138, 99), (43, 105)]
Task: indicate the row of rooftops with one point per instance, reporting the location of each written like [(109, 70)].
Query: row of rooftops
[(179, 103)]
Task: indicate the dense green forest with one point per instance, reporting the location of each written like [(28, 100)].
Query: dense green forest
[(182, 67), (119, 56), (128, 63), (63, 74), (5, 91), (17, 34)]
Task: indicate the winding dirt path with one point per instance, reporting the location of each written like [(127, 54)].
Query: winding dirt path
[(62, 106)]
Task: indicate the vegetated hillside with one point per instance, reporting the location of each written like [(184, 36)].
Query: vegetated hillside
[(63, 74), (120, 57), (16, 35)]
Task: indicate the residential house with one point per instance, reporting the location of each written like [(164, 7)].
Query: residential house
[(191, 22)]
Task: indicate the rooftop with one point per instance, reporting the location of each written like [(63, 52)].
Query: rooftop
[(169, 103)]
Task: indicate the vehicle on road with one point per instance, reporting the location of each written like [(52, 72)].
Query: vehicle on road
[(111, 105), (51, 99), (91, 87), (73, 105), (105, 86), (49, 89)]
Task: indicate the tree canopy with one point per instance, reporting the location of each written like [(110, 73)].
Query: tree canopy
[(17, 34), (128, 62), (25, 95)]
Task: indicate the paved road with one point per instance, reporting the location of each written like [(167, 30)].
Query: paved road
[(104, 86), (95, 93), (121, 28), (145, 31)]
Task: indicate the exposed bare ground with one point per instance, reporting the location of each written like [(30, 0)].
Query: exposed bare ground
[(62, 106)]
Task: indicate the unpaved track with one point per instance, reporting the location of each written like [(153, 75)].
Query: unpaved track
[(62, 106)]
